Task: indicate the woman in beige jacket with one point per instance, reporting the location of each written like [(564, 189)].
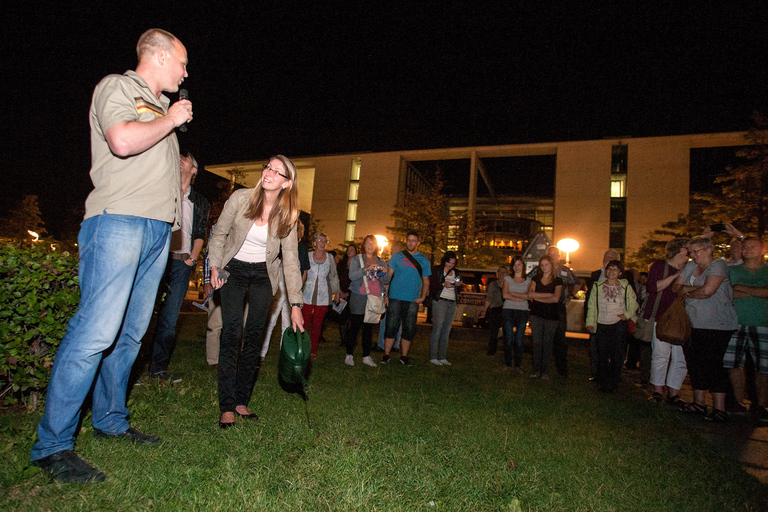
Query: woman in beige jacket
[(256, 228)]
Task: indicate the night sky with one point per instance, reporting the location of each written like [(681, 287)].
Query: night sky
[(307, 78)]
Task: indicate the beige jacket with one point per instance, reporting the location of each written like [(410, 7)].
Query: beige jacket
[(229, 235)]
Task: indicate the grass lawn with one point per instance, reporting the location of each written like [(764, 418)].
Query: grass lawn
[(468, 437)]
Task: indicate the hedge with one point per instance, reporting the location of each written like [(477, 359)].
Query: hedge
[(39, 293)]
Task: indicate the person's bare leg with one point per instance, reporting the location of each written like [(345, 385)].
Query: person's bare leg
[(405, 345), (718, 401), (738, 382), (670, 391), (761, 383), (700, 397), (388, 344)]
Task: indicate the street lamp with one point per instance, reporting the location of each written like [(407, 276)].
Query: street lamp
[(382, 241), (568, 245)]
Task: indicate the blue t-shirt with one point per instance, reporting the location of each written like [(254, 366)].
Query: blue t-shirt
[(406, 283)]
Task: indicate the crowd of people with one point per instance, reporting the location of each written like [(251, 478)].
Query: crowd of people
[(144, 220)]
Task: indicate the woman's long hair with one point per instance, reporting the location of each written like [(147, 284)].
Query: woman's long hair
[(540, 272), (375, 241), (512, 267), (285, 211)]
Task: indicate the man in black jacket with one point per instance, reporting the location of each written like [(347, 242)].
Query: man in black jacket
[(186, 245)]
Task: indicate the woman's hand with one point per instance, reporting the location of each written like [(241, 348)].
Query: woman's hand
[(591, 329), (297, 319), (216, 282), (622, 317)]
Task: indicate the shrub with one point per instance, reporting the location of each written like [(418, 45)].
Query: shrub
[(39, 293)]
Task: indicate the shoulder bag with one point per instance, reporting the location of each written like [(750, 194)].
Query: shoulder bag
[(374, 304), (643, 327), (674, 326)]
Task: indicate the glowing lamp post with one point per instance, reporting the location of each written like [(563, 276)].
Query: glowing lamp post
[(382, 241), (568, 245)]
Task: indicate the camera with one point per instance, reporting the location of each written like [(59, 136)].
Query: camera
[(717, 227)]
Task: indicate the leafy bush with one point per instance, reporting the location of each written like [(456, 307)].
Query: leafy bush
[(39, 293)]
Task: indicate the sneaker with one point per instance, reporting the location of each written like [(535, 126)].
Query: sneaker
[(349, 360), (385, 359), (436, 362), (368, 361), (535, 375), (166, 376), (445, 362), (66, 466), (405, 360), (131, 434)]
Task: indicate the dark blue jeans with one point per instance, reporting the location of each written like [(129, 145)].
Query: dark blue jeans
[(611, 342), (178, 274), (514, 331), (237, 366)]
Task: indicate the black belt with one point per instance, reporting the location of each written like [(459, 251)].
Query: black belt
[(183, 256)]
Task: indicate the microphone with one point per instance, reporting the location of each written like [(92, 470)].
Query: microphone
[(183, 95)]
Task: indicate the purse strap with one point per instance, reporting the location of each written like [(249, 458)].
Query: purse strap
[(365, 277)]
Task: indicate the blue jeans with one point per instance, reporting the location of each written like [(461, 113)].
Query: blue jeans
[(122, 259), (442, 321), (514, 331), (165, 332)]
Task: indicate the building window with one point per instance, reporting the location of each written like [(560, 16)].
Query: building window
[(618, 185), (618, 210), (617, 238), (619, 159), (354, 186)]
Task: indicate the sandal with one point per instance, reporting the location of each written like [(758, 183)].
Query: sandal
[(692, 408), (717, 416), (676, 401), (655, 398)]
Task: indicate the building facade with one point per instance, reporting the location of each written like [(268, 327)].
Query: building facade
[(609, 193)]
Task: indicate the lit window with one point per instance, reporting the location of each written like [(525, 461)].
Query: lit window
[(353, 188), (618, 187), (351, 213), (350, 233)]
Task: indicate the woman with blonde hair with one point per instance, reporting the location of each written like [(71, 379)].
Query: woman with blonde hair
[(255, 227), (321, 284)]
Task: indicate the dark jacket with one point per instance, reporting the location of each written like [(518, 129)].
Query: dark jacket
[(199, 216), (436, 281)]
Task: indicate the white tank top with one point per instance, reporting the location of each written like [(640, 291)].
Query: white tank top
[(254, 249)]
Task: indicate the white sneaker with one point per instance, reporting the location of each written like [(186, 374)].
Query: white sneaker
[(349, 360), (445, 362), (436, 362), (367, 360)]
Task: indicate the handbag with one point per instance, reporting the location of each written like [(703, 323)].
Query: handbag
[(674, 326), (643, 327), (374, 304)]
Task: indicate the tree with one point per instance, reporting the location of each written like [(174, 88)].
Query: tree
[(742, 200), (25, 216), (744, 197), (427, 214)]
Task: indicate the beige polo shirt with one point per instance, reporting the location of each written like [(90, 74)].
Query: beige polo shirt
[(144, 185)]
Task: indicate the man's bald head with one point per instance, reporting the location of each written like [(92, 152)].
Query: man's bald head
[(153, 40)]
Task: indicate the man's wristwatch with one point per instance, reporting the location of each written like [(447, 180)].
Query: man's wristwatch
[(296, 305)]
